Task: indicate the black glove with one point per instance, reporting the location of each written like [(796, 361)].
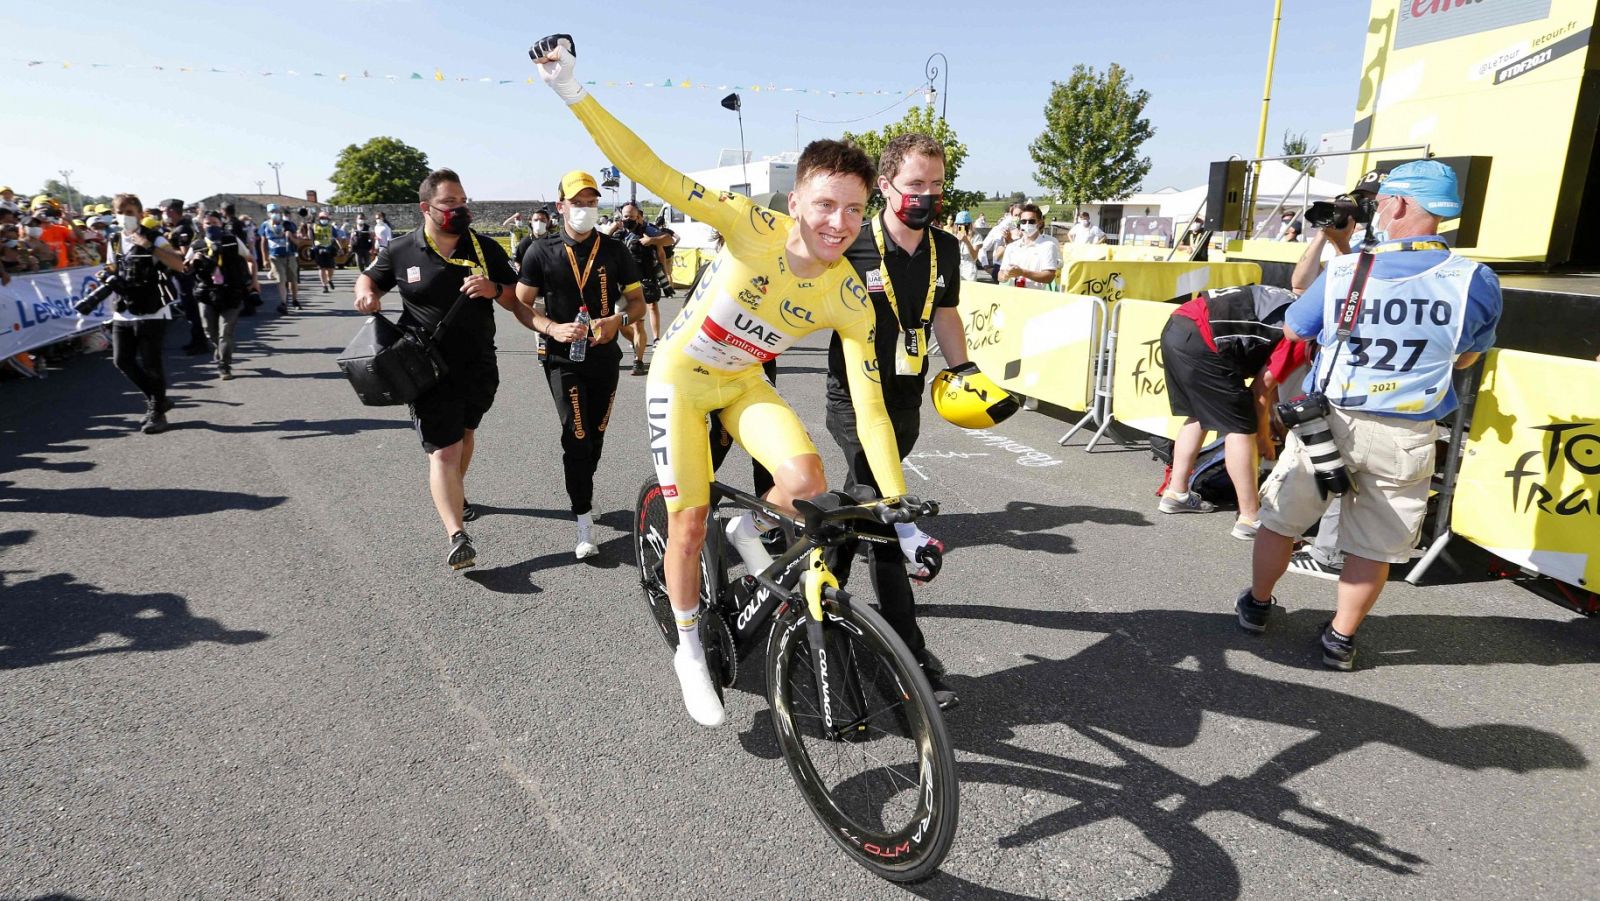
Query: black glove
[(547, 45), (963, 369)]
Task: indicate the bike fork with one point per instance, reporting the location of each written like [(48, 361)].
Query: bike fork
[(838, 688)]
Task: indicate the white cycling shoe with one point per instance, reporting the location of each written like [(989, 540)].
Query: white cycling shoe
[(699, 695)]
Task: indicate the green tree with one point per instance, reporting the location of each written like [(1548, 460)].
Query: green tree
[(1089, 149), (383, 170), (921, 119), (1294, 145)]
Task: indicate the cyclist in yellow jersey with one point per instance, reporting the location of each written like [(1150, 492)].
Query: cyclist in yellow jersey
[(777, 279)]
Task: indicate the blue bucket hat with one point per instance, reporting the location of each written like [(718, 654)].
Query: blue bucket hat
[(1429, 182), (963, 218)]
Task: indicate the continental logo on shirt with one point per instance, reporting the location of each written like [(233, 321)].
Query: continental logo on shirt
[(852, 294)]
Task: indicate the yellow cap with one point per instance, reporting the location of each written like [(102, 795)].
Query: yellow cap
[(5, 188), (576, 181), (150, 222), (79, 223)]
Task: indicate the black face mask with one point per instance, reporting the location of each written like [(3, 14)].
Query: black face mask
[(918, 211), (456, 220)]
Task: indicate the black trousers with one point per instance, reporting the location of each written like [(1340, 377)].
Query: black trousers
[(583, 394), (191, 310), (136, 351), (886, 566)]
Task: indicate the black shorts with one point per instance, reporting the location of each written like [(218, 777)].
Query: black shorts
[(1201, 384), (325, 257), (443, 414)]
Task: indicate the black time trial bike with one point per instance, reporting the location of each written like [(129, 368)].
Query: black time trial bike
[(854, 715)]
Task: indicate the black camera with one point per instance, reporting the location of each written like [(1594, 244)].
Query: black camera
[(202, 266), (1307, 415), (1339, 211), (110, 283)]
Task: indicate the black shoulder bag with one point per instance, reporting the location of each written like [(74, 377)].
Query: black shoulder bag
[(389, 365)]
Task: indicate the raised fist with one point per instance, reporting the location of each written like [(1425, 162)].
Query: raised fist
[(554, 56)]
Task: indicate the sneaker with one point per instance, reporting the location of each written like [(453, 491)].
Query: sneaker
[(1308, 564), (1337, 652), (931, 665), (326, 289), (469, 513), (462, 553), (1252, 614), (298, 305), (943, 694), (699, 694), (226, 370), (154, 422), (1189, 503), (1245, 530), (585, 548), (283, 309), (639, 368)]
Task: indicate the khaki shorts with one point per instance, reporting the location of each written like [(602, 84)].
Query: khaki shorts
[(1391, 465), (286, 269)]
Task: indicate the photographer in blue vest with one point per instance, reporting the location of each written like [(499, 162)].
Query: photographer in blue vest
[(1366, 429)]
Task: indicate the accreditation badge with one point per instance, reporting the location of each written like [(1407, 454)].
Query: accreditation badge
[(909, 361)]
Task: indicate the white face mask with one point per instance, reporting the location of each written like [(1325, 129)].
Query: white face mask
[(1030, 229), (540, 227), (128, 222), (35, 231), (582, 219)]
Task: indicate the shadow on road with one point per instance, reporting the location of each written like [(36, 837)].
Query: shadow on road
[(517, 578), (302, 428), (135, 503), (56, 618), (1026, 526), (1154, 677)]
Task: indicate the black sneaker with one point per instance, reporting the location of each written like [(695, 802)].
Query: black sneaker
[(283, 309), (298, 305), (226, 370), (931, 664), (943, 694), (462, 553), (469, 513), (1252, 613), (154, 422), (1338, 652), (639, 367)]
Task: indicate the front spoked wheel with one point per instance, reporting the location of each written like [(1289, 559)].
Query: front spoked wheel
[(650, 552), (876, 767)]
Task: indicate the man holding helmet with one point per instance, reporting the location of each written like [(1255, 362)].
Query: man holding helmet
[(913, 276), (1387, 351)]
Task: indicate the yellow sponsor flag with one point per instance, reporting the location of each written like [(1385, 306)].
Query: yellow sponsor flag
[(1529, 489)]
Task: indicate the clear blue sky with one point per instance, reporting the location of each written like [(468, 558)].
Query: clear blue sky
[(194, 134)]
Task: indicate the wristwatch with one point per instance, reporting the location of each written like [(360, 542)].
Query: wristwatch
[(625, 320)]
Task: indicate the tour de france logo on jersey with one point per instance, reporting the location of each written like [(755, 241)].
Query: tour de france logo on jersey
[(853, 294), (1537, 481)]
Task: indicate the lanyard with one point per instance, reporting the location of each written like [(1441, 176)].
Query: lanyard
[(913, 336), (477, 268), (1414, 245), (588, 267)]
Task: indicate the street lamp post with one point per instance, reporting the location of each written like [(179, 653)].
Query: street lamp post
[(277, 176), (261, 186), (931, 72), (67, 174)]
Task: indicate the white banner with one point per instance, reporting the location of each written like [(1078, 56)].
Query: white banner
[(36, 309)]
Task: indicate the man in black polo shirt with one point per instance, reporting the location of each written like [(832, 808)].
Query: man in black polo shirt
[(912, 272), (579, 272), (432, 266)]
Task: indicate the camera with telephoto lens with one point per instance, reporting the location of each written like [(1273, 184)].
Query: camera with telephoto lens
[(1339, 211), (110, 283), (1307, 415)]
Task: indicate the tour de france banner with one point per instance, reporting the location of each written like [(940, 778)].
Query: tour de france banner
[(1112, 280), (36, 309), (1495, 78), (685, 263), (1138, 374), (1529, 489), (1035, 343)]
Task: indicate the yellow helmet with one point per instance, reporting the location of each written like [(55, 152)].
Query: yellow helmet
[(966, 397), (45, 201)]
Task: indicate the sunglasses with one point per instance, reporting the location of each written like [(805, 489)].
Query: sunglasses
[(1030, 222)]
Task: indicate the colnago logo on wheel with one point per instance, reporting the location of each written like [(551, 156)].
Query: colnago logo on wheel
[(822, 677)]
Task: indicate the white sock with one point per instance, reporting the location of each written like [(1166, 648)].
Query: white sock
[(1177, 495), (742, 534), (689, 632)]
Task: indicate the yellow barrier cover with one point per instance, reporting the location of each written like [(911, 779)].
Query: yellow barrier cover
[(1035, 343), (1529, 488), (1113, 280)]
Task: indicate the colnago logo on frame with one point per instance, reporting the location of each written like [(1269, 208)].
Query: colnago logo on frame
[(1426, 21)]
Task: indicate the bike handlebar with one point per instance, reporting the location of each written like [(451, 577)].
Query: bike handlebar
[(909, 509)]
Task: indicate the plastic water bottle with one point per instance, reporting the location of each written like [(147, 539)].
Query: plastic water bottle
[(579, 349)]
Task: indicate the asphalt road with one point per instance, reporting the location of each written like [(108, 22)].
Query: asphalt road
[(233, 664)]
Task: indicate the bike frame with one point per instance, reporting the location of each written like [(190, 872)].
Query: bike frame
[(771, 598)]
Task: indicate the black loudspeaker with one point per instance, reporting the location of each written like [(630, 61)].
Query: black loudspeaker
[(1472, 181), (1225, 197)]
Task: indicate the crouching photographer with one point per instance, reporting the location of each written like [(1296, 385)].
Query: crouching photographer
[(223, 281), (1391, 325), (139, 291)]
